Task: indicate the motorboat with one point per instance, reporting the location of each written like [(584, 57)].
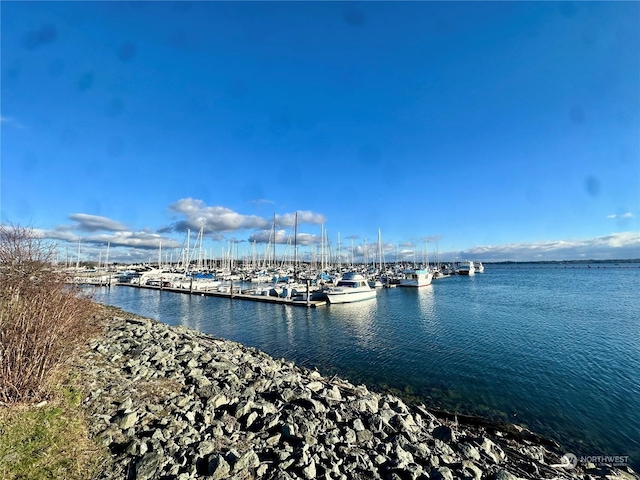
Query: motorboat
[(353, 287), (479, 267), (466, 268), (416, 278)]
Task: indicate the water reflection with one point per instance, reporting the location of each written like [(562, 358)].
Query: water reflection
[(426, 301), (186, 318), (359, 318), (427, 306), (290, 321)]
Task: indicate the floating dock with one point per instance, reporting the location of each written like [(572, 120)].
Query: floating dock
[(232, 295)]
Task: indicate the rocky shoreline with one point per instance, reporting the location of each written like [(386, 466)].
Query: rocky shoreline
[(171, 403)]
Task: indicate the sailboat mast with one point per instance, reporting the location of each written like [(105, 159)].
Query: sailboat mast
[(295, 246), (200, 251), (380, 249), (274, 239), (327, 250), (352, 254), (186, 269), (322, 247)]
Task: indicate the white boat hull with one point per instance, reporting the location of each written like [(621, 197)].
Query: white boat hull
[(351, 288), (417, 278), (466, 269), (344, 296), (406, 282)]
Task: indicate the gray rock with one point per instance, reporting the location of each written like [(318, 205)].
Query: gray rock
[(148, 465), (504, 475), (309, 471), (493, 451), (358, 426), (441, 473), (442, 448), (218, 468), (315, 386), (206, 447), (251, 418), (414, 471), (127, 420), (363, 436), (350, 436), (248, 460), (469, 451), (471, 470), (404, 457)]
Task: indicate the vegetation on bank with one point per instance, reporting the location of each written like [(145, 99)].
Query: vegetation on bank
[(43, 325)]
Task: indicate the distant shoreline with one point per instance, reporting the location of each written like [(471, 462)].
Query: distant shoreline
[(559, 262)]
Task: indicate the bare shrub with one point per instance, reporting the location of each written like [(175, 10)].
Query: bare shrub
[(42, 318)]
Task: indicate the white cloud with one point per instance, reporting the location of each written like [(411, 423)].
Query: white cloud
[(304, 216), (615, 246), (624, 215), (133, 239), (144, 240), (11, 121), (214, 219), (94, 223), (284, 237), (58, 234)]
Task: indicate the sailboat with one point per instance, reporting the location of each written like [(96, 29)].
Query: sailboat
[(376, 282)]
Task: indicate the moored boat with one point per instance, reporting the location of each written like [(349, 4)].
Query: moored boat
[(353, 287), (416, 278), (466, 268)]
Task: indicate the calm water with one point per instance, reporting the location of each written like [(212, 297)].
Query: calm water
[(554, 349)]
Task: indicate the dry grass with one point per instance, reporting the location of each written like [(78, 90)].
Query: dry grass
[(42, 319), (44, 322)]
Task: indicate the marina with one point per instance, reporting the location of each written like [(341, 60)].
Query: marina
[(288, 286)]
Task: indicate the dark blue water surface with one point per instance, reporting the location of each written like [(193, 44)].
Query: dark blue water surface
[(554, 348)]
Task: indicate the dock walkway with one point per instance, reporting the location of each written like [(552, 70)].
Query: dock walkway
[(233, 295)]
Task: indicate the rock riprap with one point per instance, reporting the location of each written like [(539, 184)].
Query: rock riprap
[(171, 403)]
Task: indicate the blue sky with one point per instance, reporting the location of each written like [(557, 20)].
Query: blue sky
[(495, 131)]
